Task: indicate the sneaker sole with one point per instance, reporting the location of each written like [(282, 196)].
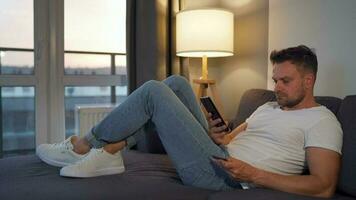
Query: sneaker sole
[(53, 162), (103, 172)]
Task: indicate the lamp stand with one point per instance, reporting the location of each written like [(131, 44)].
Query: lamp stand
[(203, 85), (204, 68)]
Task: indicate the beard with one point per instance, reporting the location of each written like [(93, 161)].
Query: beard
[(285, 101)]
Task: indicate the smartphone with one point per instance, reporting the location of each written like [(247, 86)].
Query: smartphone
[(211, 108)]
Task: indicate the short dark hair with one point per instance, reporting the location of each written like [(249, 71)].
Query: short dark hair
[(300, 55)]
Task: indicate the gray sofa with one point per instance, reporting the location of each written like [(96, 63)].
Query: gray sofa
[(150, 175)]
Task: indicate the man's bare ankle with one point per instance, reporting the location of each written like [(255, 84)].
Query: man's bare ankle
[(80, 145)]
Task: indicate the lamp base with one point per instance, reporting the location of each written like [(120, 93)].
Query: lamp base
[(203, 85)]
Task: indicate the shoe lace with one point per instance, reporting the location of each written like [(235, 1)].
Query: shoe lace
[(62, 145)]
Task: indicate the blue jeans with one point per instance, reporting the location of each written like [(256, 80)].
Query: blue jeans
[(180, 123)]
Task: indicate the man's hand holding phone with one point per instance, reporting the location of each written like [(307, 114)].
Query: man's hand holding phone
[(218, 128), (218, 133)]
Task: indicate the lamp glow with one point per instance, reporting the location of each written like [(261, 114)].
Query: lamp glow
[(205, 33)]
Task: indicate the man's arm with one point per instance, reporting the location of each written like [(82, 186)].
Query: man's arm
[(324, 166), (218, 135), (235, 132)]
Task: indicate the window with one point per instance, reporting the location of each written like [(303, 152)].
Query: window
[(17, 90), (16, 61), (18, 123), (87, 64), (64, 54), (95, 46), (78, 96)]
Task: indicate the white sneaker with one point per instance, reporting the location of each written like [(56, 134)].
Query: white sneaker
[(58, 154), (97, 163)]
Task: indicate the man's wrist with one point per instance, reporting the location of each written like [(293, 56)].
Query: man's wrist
[(258, 177), (227, 138)]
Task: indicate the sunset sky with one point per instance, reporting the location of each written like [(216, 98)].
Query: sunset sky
[(89, 25)]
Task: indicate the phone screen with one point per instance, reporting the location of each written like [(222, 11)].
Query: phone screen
[(211, 108)]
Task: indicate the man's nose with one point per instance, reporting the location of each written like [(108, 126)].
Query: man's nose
[(277, 86)]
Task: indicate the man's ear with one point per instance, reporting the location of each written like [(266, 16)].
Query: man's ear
[(309, 80)]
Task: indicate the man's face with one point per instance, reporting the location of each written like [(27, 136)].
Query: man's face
[(289, 87)]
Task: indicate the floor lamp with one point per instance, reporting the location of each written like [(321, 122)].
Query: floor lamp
[(205, 33)]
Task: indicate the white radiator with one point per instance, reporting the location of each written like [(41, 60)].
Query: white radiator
[(86, 116)]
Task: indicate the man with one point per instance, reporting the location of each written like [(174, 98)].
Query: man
[(272, 149), (304, 130)]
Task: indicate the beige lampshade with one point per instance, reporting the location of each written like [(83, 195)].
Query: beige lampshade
[(205, 32)]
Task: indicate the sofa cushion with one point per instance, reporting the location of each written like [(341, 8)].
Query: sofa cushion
[(347, 118), (147, 176)]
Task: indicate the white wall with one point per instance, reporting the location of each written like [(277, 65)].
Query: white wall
[(329, 26), (248, 67)]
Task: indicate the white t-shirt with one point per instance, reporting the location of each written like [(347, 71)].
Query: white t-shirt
[(275, 140)]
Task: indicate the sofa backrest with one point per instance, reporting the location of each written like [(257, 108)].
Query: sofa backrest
[(254, 98), (347, 118), (150, 142), (249, 102)]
